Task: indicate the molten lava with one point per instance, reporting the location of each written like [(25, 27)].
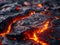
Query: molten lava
[(44, 27), (40, 5), (9, 24), (33, 34)]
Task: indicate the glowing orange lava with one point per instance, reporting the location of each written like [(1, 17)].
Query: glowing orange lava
[(19, 17), (40, 5), (44, 27), (33, 35)]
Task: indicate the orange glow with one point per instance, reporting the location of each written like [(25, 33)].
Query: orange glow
[(43, 43), (34, 35), (42, 12), (19, 17), (45, 26), (40, 5), (35, 38), (7, 32)]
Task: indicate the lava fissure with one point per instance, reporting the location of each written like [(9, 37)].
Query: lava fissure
[(33, 34), (16, 18), (30, 34)]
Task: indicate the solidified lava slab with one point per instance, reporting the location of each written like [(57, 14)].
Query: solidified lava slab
[(29, 22)]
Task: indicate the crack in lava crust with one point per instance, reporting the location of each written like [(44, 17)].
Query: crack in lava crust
[(9, 24), (33, 34), (35, 37)]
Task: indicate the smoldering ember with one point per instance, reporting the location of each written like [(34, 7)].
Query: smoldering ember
[(29, 22)]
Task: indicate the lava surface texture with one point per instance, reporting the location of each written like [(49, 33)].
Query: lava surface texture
[(29, 22)]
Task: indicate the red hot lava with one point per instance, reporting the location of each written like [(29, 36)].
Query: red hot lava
[(9, 24), (33, 34)]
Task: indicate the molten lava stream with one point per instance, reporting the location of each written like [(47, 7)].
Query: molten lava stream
[(16, 18), (33, 34)]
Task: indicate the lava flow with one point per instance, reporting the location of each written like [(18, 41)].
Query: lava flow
[(33, 34), (16, 18), (30, 34)]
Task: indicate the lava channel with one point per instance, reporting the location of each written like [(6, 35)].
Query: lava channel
[(33, 34), (7, 30)]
